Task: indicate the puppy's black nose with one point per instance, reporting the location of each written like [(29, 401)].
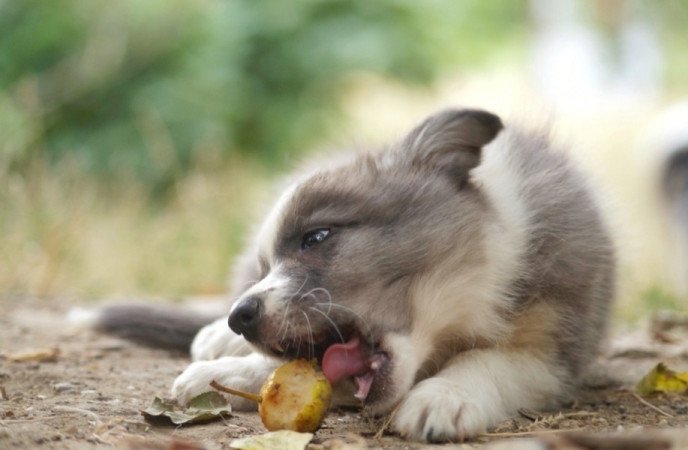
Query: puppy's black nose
[(245, 317)]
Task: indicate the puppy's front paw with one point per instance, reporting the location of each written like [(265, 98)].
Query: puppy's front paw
[(438, 410), (216, 340), (245, 373)]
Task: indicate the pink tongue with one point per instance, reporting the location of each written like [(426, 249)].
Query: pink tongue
[(344, 360)]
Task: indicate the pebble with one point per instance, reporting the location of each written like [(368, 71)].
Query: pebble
[(113, 346), (600, 421), (63, 387), (136, 426), (89, 392)]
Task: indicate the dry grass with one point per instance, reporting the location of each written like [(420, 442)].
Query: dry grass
[(64, 233)]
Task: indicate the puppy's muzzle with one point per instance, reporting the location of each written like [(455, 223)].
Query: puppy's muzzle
[(245, 317)]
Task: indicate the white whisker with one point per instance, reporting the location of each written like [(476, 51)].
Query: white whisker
[(334, 325), (285, 313), (284, 319), (305, 280), (311, 347), (319, 289), (368, 331)]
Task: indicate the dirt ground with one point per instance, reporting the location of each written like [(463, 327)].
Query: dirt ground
[(90, 395)]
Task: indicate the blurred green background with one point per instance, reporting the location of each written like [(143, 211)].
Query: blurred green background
[(139, 138)]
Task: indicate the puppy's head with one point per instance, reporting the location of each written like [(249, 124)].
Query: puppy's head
[(336, 262)]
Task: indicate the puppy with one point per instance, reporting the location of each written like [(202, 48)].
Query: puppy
[(454, 277)]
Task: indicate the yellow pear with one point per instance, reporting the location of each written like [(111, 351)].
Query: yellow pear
[(294, 397)]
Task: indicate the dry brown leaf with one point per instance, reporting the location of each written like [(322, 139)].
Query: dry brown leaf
[(202, 408)]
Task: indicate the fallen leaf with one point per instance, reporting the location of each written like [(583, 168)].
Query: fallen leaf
[(274, 440), (663, 379), (41, 355), (203, 408)]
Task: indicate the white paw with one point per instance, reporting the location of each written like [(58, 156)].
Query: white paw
[(216, 340), (245, 373), (437, 410)]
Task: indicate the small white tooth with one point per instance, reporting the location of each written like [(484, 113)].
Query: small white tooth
[(279, 347), (375, 365)]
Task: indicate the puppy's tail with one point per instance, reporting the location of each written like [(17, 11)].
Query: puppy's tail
[(166, 328)]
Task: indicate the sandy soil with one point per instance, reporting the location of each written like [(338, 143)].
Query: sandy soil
[(91, 393)]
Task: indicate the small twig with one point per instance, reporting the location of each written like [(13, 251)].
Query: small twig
[(3, 393), (524, 433), (530, 414), (650, 405), (247, 395), (386, 423)]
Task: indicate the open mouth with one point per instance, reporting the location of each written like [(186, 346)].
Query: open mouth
[(350, 357), (353, 359)]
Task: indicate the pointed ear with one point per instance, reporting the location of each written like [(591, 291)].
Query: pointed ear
[(451, 141)]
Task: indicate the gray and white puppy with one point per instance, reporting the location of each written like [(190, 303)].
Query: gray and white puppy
[(456, 276)]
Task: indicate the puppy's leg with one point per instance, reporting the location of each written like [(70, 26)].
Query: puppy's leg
[(245, 373), (216, 340), (475, 390)]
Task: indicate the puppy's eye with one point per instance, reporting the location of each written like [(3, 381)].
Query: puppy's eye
[(314, 237)]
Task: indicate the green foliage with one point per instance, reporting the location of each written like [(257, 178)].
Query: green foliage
[(150, 88), (674, 17), (656, 297)]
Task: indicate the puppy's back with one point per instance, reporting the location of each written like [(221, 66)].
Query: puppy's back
[(568, 256)]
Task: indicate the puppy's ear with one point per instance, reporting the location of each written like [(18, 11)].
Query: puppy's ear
[(451, 141)]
